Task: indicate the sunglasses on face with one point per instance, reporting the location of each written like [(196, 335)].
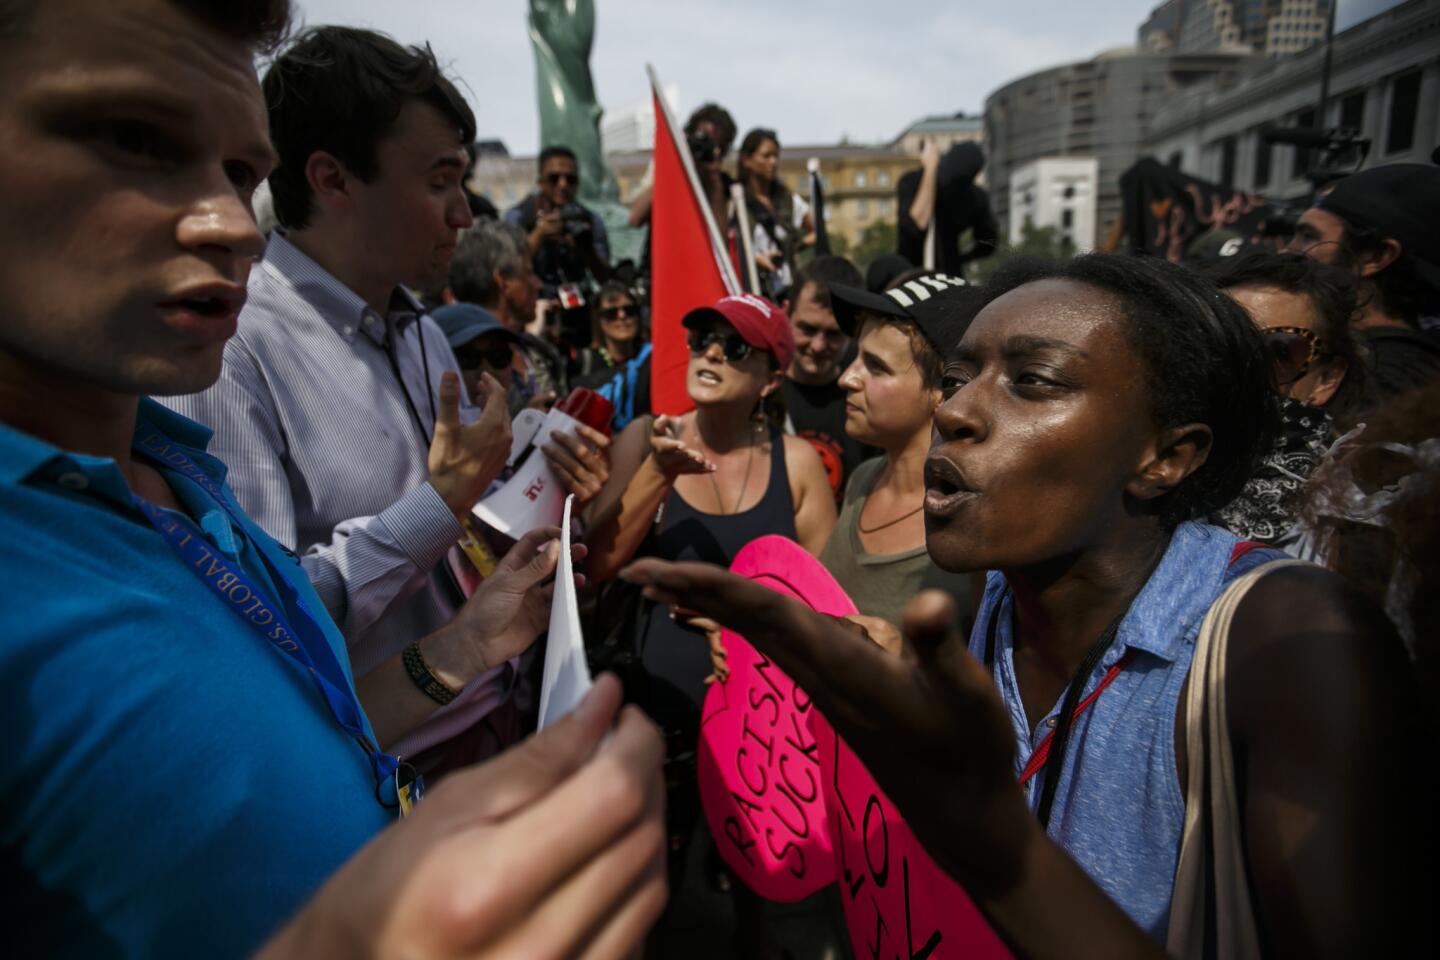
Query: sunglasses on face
[(497, 356), (555, 179), (734, 345), (1293, 349), (616, 312)]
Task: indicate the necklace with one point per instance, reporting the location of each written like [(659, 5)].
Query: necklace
[(749, 462), (888, 523)]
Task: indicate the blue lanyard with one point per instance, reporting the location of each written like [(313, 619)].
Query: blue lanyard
[(243, 596)]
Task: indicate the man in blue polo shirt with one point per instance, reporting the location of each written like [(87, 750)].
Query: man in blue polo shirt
[(187, 759)]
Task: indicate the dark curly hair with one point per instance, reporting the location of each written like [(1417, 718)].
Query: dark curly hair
[(1330, 290), (1205, 362), (341, 89), (720, 117)]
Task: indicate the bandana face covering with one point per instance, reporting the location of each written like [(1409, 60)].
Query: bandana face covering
[(1265, 511)]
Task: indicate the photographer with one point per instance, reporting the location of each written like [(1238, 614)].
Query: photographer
[(566, 240), (709, 133)]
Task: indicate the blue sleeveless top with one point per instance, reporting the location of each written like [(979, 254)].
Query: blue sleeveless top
[(1118, 808)]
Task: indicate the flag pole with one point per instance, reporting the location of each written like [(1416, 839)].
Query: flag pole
[(747, 247), (927, 257), (717, 243), (817, 208)]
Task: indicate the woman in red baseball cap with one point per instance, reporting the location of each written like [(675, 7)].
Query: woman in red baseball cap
[(700, 486)]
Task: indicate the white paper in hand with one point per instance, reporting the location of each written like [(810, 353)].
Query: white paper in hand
[(567, 676), (533, 496)]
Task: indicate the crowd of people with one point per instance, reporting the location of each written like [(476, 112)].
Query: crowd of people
[(1048, 496)]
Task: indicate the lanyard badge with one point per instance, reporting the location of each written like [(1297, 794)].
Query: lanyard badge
[(289, 627), (409, 787)]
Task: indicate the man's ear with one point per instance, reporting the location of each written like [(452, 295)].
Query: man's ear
[(1388, 253), (329, 181), (1176, 453)]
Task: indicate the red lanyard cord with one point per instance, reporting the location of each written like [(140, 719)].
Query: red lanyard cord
[(1071, 707), (1042, 752)]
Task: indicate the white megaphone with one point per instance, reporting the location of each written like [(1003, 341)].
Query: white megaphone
[(533, 496)]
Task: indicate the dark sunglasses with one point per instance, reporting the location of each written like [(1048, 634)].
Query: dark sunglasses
[(734, 345), (498, 356), (556, 178), (1293, 349), (616, 312)]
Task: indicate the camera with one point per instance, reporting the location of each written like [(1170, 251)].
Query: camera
[(702, 147), (575, 220), (1341, 151)]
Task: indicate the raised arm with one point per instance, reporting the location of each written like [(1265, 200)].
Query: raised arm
[(368, 562), (640, 206), (646, 459), (922, 208), (934, 733), (1324, 719), (504, 616)]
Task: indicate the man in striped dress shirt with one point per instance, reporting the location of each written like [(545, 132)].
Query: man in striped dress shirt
[(325, 410)]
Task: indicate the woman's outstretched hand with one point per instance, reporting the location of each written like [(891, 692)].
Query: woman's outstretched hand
[(929, 725), (672, 456)]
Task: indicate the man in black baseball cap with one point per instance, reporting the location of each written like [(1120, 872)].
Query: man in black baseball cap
[(1380, 225)]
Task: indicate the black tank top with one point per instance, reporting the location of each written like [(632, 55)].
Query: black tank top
[(676, 659)]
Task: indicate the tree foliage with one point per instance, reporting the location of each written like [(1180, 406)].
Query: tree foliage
[(1044, 242)]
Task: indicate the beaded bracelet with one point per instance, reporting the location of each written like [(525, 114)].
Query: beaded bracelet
[(428, 683)]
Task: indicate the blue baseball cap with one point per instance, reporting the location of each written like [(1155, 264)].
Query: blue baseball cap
[(463, 322)]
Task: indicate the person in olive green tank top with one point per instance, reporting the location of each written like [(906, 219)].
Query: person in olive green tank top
[(881, 584), (877, 550)]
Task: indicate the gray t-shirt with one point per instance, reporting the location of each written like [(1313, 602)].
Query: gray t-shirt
[(882, 584)]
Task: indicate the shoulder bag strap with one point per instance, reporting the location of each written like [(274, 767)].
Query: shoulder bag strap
[(1211, 914)]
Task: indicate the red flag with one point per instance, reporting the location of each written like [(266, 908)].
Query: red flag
[(688, 264)]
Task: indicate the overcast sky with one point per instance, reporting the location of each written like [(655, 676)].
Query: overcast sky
[(815, 70)]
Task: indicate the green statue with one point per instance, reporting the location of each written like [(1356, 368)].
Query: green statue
[(562, 32)]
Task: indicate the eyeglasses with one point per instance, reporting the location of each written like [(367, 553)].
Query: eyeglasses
[(555, 179), (1304, 246), (735, 346), (1293, 349), (497, 356), (618, 311)]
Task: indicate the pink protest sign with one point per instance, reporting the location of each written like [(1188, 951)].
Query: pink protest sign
[(897, 902), (759, 766)]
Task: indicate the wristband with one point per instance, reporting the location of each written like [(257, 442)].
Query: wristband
[(428, 683)]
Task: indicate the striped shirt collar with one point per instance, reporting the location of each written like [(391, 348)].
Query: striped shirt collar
[(341, 307)]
